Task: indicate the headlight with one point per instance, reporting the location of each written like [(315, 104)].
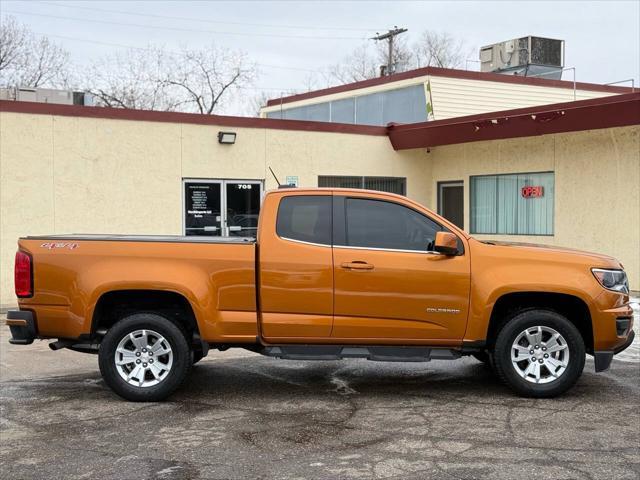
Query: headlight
[(615, 280)]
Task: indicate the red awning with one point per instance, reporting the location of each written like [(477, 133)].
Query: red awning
[(605, 112)]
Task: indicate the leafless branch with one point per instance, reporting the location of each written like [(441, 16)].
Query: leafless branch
[(440, 50), (154, 79), (432, 49), (206, 76), (28, 60)]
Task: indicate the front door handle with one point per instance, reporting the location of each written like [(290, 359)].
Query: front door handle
[(357, 265)]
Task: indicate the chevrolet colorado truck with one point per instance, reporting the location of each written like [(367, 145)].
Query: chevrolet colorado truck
[(332, 274)]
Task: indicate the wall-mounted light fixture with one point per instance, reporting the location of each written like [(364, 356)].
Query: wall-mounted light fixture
[(227, 138)]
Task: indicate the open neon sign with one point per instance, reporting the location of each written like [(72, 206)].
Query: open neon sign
[(531, 191)]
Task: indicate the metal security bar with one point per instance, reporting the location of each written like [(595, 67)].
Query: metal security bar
[(384, 184)]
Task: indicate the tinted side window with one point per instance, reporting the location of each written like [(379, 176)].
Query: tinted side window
[(379, 224), (306, 218)]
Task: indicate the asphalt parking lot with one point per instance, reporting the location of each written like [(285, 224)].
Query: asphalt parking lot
[(246, 416)]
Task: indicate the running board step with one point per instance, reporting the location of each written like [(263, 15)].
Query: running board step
[(375, 353)]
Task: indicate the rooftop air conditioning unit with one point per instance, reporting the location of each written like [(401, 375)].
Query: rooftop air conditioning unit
[(527, 56), (48, 95)]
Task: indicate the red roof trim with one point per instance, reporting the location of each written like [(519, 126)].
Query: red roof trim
[(606, 112), (451, 73), (191, 118)]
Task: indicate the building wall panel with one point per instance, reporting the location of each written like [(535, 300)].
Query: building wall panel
[(455, 97), (27, 170)]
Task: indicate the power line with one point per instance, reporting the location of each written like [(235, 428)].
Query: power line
[(147, 49), (138, 25), (282, 90), (203, 20)]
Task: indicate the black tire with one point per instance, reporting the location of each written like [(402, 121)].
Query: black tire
[(544, 318), (482, 357), (182, 357), (197, 356)]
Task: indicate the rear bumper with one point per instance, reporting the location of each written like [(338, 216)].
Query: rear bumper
[(603, 359), (22, 325)]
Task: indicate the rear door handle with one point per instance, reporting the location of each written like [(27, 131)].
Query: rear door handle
[(357, 265)]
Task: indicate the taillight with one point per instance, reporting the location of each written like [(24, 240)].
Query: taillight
[(23, 275)]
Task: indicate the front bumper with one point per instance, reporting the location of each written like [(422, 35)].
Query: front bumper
[(22, 325), (603, 360)]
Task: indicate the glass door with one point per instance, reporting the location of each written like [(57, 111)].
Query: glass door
[(451, 202), (203, 208), (242, 207)]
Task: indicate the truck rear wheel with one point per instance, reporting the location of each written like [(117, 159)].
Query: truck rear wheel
[(539, 353), (144, 357)]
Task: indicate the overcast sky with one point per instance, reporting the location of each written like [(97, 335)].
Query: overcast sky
[(602, 38)]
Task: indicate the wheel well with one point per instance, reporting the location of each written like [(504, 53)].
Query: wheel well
[(573, 308), (112, 306)]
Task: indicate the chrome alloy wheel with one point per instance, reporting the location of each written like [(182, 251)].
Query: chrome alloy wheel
[(540, 354), (143, 358)]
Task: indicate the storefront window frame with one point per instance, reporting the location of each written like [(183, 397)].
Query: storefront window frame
[(472, 219)]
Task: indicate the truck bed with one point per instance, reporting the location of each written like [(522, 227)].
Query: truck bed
[(72, 273)]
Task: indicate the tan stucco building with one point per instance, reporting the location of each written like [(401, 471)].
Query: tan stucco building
[(564, 174)]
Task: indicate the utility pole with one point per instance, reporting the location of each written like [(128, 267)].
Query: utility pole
[(389, 37)]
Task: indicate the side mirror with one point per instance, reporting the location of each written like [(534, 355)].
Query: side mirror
[(446, 243)]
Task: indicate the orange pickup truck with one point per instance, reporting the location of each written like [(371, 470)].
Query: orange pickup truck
[(333, 273)]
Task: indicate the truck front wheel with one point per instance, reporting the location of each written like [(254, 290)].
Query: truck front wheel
[(144, 357), (539, 353)]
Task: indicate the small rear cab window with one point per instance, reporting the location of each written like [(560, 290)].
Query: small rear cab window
[(306, 218)]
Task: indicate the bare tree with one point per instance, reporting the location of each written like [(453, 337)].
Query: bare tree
[(365, 61), (254, 103), (155, 79), (360, 64), (29, 60), (132, 78), (432, 49), (440, 50), (13, 39), (202, 78)]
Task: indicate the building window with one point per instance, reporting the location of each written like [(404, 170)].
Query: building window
[(519, 204), (401, 105), (343, 111), (384, 184)]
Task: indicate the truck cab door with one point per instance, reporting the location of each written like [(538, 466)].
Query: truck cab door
[(390, 286), (295, 267)]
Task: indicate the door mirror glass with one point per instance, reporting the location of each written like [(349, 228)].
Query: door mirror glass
[(446, 243)]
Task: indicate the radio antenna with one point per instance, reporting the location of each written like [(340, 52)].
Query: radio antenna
[(274, 176)]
